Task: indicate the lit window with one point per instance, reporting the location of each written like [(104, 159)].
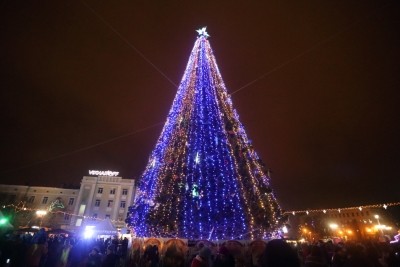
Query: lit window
[(82, 209), (78, 222)]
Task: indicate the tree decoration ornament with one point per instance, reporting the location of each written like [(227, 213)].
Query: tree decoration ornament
[(56, 204), (202, 32), (204, 180), (195, 191)]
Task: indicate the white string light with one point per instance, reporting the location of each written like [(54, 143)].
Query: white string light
[(385, 206)]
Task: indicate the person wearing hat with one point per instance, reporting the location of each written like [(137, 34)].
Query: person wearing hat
[(202, 259)]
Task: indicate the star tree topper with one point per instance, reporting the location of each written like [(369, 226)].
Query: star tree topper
[(203, 32)]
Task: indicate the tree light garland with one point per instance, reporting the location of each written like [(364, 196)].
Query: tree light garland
[(20, 207), (204, 178)]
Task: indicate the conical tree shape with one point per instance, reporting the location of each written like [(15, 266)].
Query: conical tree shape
[(203, 179)]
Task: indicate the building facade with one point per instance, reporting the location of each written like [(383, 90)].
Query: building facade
[(344, 224), (39, 206), (98, 198), (104, 197)]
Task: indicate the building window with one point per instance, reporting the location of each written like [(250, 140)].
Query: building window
[(94, 216), (100, 190), (122, 204), (66, 217), (44, 201), (124, 192), (108, 216), (112, 191), (31, 199), (71, 201), (82, 209), (97, 203), (78, 222), (109, 204)]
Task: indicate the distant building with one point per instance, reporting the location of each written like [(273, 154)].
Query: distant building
[(99, 197), (25, 201), (344, 224), (104, 197)]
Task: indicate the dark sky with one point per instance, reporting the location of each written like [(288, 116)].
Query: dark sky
[(88, 85)]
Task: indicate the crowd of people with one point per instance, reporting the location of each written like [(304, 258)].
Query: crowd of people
[(41, 250), (279, 253)]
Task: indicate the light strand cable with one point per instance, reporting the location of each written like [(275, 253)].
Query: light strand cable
[(326, 40), (84, 148), (128, 43)]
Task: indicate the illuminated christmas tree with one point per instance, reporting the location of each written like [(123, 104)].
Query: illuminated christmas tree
[(203, 179)]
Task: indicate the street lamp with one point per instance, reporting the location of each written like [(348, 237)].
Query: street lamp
[(333, 227), (307, 232), (379, 223), (40, 214)]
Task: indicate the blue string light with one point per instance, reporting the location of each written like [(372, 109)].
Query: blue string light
[(203, 179)]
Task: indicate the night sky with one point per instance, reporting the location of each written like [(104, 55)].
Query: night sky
[(88, 85)]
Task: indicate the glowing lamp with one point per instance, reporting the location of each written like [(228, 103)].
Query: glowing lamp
[(333, 226), (89, 231), (41, 212)]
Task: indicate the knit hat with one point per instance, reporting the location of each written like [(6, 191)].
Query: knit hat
[(205, 253)]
